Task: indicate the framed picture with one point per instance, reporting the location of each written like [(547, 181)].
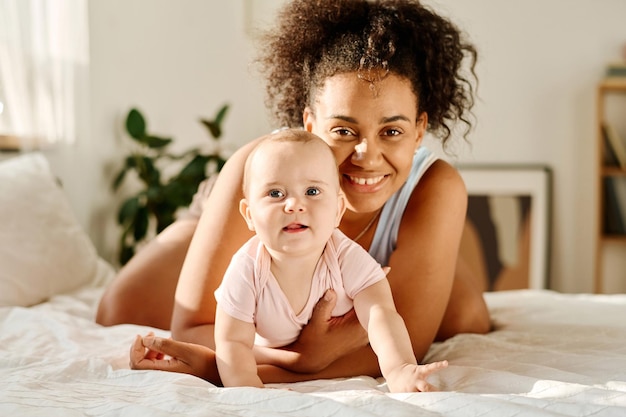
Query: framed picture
[(506, 240)]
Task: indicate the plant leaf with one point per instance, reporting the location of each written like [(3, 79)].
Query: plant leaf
[(147, 171), (214, 128), (165, 218), (195, 170), (128, 211), (219, 117), (220, 162), (118, 179), (155, 142), (135, 124), (141, 223), (215, 125), (155, 194), (126, 252), (178, 194)]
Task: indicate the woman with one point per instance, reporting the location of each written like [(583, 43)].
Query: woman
[(353, 72)]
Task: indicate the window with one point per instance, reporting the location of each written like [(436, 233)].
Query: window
[(44, 55)]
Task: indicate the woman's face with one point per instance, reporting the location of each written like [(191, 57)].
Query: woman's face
[(346, 110)]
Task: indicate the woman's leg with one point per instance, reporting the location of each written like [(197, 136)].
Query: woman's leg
[(467, 311), (143, 291)]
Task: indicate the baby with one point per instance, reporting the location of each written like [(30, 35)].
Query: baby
[(293, 202)]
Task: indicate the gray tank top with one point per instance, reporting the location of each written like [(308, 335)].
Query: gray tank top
[(386, 235)]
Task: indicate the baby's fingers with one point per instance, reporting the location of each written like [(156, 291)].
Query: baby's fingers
[(425, 370), (433, 367), (423, 386)]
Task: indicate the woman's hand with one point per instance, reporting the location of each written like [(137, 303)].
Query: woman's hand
[(157, 353), (325, 339), (412, 378)]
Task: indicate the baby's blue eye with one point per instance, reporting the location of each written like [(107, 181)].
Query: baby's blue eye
[(313, 191), (275, 194)]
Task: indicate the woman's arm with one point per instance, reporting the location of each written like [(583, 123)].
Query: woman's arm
[(339, 336), (424, 262), (220, 232), (157, 353), (234, 341)]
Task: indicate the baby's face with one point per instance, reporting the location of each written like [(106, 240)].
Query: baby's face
[(293, 197)]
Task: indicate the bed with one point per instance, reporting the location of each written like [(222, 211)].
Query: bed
[(550, 354)]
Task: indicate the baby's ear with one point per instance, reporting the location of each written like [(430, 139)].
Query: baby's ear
[(341, 208), (244, 209)]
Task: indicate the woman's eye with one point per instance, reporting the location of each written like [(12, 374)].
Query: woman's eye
[(343, 133), (392, 132), (313, 191), (275, 194)]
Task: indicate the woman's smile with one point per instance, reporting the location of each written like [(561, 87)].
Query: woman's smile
[(365, 180)]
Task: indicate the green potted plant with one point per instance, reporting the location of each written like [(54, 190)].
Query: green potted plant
[(154, 206)]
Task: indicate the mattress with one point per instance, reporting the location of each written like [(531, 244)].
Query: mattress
[(550, 354)]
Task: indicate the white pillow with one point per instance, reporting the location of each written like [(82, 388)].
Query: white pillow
[(43, 249)]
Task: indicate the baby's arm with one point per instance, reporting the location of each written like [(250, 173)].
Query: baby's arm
[(390, 340), (234, 340)]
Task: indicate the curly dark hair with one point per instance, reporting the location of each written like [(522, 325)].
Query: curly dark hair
[(316, 39)]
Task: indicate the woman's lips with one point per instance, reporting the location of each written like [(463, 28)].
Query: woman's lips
[(365, 180)]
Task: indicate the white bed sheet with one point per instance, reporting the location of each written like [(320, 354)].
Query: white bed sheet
[(551, 355)]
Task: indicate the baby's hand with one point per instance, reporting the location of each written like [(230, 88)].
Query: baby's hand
[(412, 378)]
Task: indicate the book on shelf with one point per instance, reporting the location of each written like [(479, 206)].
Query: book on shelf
[(609, 159), (616, 69), (615, 205), (616, 143)]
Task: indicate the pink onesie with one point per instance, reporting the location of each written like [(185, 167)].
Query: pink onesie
[(249, 292)]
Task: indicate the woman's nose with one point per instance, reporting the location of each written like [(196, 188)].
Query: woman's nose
[(365, 153), (294, 204)]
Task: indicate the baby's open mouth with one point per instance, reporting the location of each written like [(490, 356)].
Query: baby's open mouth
[(294, 227)]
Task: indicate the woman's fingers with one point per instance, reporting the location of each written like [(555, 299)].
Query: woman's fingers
[(150, 352), (324, 308), (137, 352)]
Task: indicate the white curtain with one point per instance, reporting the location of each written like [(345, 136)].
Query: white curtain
[(44, 62)]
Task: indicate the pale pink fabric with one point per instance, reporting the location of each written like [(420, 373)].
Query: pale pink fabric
[(249, 292)]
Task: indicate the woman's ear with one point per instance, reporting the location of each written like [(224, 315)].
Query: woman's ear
[(308, 118), (421, 126), (244, 209), (341, 208)]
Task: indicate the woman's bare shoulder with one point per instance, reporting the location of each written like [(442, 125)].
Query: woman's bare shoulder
[(443, 180), (440, 194)]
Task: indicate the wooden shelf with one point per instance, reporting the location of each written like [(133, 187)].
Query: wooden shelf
[(614, 238), (608, 86), (612, 172), (613, 84)]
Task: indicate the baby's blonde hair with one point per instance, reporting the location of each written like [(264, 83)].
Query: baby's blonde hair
[(284, 135)]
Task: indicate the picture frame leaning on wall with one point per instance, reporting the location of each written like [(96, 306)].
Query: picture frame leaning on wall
[(506, 239)]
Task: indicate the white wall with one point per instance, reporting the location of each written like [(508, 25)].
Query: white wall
[(177, 60), (540, 63)]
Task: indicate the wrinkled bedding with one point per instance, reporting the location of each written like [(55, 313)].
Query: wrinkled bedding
[(550, 354)]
